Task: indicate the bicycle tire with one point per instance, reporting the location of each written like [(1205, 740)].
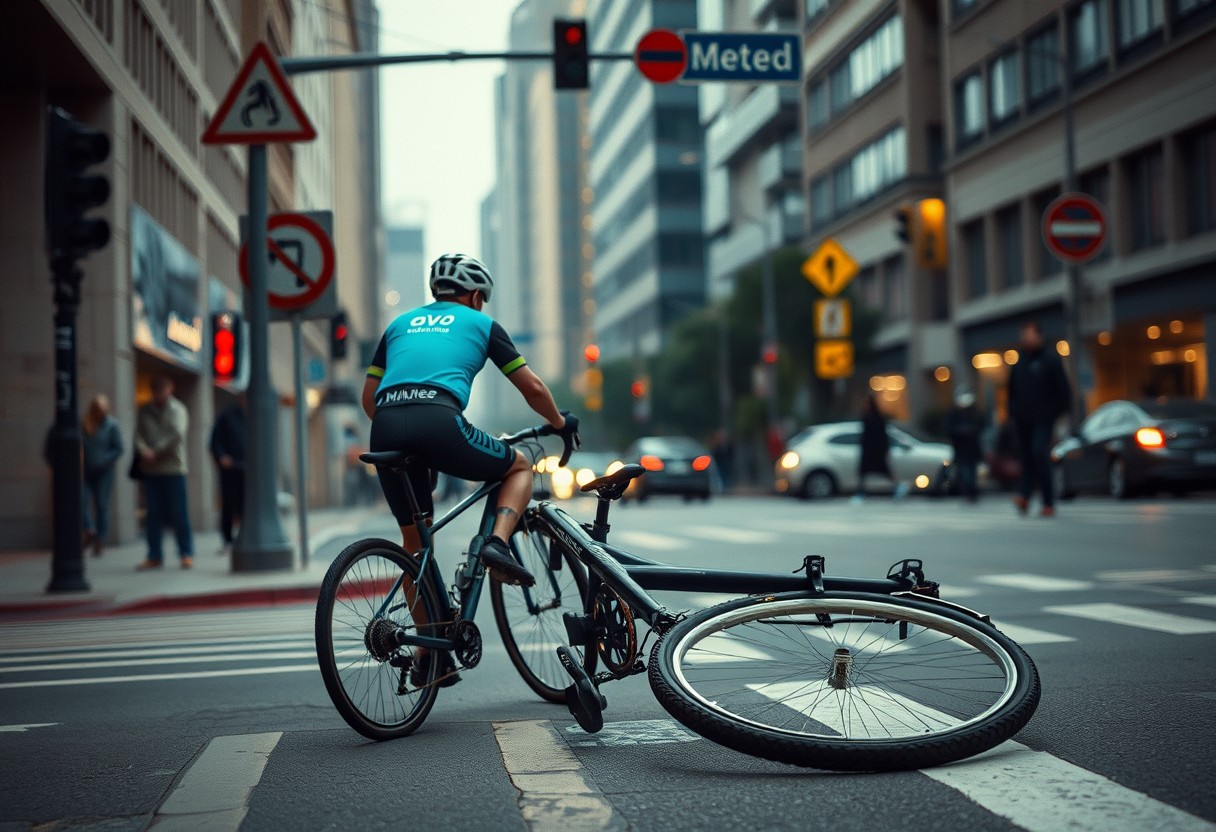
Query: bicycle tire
[(531, 632), (691, 676), (364, 688)]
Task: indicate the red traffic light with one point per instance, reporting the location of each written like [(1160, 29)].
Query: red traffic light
[(769, 355), (637, 389), (224, 346), (591, 352), (573, 34), (340, 332)]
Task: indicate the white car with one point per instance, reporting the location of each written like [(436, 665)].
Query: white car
[(822, 461)]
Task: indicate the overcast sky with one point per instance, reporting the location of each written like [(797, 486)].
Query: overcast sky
[(437, 139)]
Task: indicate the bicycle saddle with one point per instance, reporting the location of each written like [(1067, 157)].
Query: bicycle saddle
[(387, 459), (613, 485)]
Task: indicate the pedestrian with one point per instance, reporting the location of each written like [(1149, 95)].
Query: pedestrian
[(101, 448), (722, 449), (964, 425), (1039, 395), (875, 447), (228, 451), (160, 441)]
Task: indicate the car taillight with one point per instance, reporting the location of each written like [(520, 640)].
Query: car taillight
[(651, 463), (1150, 438), (701, 463)]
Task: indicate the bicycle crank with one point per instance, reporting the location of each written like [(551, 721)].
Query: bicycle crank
[(583, 699)]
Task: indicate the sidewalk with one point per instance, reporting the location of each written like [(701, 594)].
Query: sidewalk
[(115, 587)]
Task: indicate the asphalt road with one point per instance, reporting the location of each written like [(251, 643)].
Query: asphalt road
[(219, 720)]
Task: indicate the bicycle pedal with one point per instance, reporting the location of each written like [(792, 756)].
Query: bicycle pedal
[(583, 698)]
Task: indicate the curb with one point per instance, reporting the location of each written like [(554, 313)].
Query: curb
[(261, 597)]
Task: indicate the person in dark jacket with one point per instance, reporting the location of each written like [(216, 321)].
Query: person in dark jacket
[(965, 424), (875, 446), (101, 447), (1039, 395), (228, 451)]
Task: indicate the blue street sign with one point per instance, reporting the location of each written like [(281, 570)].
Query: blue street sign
[(743, 56)]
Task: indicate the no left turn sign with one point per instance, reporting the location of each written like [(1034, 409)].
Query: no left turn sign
[(301, 265)]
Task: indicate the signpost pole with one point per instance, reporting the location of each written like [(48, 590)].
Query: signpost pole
[(1076, 349), (301, 455), (261, 544)]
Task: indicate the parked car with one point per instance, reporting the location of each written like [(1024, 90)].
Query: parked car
[(582, 468), (1127, 448), (674, 465), (822, 461)]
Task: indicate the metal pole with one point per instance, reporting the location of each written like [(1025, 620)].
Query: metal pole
[(67, 561), (723, 370), (770, 327), (301, 458), (362, 60), (1073, 298), (261, 544)]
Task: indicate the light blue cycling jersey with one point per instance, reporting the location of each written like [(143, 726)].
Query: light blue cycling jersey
[(442, 344)]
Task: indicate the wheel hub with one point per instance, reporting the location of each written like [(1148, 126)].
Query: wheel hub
[(842, 665), (380, 639)]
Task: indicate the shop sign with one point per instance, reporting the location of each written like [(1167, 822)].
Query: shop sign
[(164, 294)]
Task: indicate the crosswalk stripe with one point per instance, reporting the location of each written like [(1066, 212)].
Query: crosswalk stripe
[(139, 662), (161, 677), (649, 540), (1162, 622), (1030, 581), (730, 535), (1149, 576), (135, 651), (1029, 635), (1204, 600)]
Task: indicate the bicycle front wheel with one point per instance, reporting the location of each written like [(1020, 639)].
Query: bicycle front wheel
[(370, 591), (530, 618), (845, 681)]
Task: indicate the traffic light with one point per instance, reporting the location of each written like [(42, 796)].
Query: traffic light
[(903, 223), (769, 354), (930, 250), (72, 148), (339, 334), (593, 379), (640, 387), (570, 58), (591, 352), (225, 346)]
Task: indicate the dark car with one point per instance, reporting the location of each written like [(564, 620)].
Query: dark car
[(674, 465), (1127, 448)]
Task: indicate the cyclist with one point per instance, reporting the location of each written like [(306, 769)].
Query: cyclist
[(417, 388)]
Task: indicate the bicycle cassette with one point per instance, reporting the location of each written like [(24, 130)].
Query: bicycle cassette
[(616, 636)]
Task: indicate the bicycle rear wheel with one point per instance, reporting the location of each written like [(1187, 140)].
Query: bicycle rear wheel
[(367, 676), (845, 681), (530, 618)]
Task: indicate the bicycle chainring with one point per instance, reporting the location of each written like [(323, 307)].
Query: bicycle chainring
[(616, 636), (466, 641)]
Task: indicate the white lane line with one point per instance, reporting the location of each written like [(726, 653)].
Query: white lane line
[(1162, 622), (1204, 600), (1042, 793), (142, 662), (1029, 635), (21, 729), (555, 795), (214, 792), (162, 677), (647, 540), (951, 591), (725, 534), (635, 732), (1154, 575), (148, 648), (1032, 582)]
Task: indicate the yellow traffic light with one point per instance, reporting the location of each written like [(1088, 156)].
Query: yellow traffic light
[(929, 234)]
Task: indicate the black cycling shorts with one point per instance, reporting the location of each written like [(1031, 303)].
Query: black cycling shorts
[(442, 439)]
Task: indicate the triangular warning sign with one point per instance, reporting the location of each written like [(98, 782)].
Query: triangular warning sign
[(260, 106)]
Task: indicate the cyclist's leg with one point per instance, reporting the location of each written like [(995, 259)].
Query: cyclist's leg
[(513, 497)]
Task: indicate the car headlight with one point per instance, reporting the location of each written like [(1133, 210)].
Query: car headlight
[(789, 460)]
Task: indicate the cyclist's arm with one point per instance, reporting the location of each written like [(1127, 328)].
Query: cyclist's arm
[(536, 394)]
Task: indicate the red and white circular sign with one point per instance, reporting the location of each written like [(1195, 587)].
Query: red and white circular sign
[(301, 261), (1074, 227), (661, 56)]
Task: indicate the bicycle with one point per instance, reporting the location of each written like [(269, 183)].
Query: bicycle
[(841, 673)]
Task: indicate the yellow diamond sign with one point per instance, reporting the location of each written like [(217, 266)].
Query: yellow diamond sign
[(830, 268)]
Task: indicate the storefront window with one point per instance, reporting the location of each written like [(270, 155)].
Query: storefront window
[(977, 266), (1199, 150), (1009, 231), (1146, 187)]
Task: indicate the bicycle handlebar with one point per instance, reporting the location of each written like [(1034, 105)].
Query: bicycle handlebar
[(544, 430)]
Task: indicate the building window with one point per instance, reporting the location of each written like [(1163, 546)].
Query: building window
[(895, 288), (1146, 198), (817, 110), (842, 189), (1138, 20), (1096, 183), (868, 288), (821, 201), (1042, 66), (962, 6), (1199, 151), (973, 251), (969, 108), (1088, 33), (1049, 264), (814, 8), (874, 59), (838, 82), (1009, 236), (879, 165), (1005, 88), (1187, 8)]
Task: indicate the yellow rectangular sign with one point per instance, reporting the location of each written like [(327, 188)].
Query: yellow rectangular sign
[(833, 359), (833, 318)]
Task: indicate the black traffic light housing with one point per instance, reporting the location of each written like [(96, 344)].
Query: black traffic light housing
[(903, 223), (339, 336), (72, 148), (225, 346), (570, 54)]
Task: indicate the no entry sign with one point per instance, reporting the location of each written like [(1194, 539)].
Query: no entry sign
[(661, 56), (1074, 227)]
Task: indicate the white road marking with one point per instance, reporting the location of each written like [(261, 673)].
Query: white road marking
[(635, 732), (214, 792), (950, 591), (1204, 600), (137, 662), (1148, 576), (725, 534), (1162, 622), (21, 729), (1035, 583), (179, 649), (852, 713), (1042, 793), (1029, 635), (649, 540), (555, 796), (162, 677)]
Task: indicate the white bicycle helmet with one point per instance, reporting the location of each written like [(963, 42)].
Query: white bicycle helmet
[(455, 274)]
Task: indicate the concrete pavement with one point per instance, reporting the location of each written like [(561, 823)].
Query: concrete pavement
[(115, 586)]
